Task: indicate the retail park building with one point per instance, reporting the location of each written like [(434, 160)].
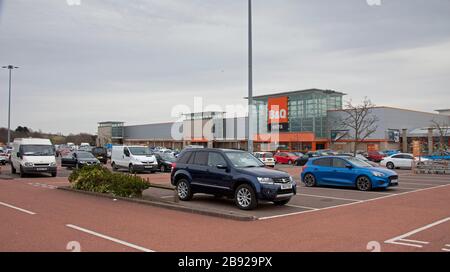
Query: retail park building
[(304, 120)]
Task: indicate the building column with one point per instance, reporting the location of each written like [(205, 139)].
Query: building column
[(404, 140), (430, 141), (313, 146)]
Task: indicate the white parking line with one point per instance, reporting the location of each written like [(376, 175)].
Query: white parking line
[(417, 183), (353, 203), (446, 249), (331, 197), (347, 190), (109, 238), (16, 208), (302, 207), (402, 237)]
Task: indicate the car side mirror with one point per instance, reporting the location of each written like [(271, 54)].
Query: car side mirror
[(222, 166), (349, 166), (19, 155)]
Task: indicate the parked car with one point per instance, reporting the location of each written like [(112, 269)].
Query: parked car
[(266, 157), (375, 156), (85, 147), (326, 152), (101, 154), (3, 156), (304, 159), (401, 160), (232, 173), (165, 161), (32, 155), (285, 158), (79, 159), (347, 172), (390, 152), (134, 158)]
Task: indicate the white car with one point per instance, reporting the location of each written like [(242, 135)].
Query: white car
[(266, 157), (401, 160), (3, 156), (133, 158)]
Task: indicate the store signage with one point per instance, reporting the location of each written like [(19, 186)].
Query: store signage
[(278, 114)]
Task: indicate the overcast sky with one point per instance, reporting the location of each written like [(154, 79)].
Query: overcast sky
[(133, 60)]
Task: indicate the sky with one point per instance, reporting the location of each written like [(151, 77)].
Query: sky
[(135, 60)]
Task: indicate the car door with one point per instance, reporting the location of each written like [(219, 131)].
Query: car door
[(400, 161), (341, 174), (198, 169), (218, 174), (321, 169), (408, 160)]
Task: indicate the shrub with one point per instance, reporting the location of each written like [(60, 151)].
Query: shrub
[(99, 179)]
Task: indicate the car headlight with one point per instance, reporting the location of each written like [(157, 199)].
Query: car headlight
[(265, 180), (28, 164), (53, 164), (378, 174)]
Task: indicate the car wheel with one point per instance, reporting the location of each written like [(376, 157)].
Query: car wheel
[(363, 183), (22, 174), (114, 167), (53, 174), (282, 202), (390, 165), (13, 170), (309, 180), (245, 197), (131, 169), (184, 191)]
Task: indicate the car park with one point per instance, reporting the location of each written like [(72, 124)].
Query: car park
[(165, 161), (232, 173), (346, 172), (402, 160), (266, 157), (100, 153), (79, 159), (134, 158), (32, 155), (285, 158)]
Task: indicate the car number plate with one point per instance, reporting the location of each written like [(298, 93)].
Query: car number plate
[(41, 169), (286, 186), (148, 166), (394, 181)]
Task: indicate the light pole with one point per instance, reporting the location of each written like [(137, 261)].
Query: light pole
[(10, 68), (250, 80)]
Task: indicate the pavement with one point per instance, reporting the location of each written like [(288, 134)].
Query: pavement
[(416, 217)]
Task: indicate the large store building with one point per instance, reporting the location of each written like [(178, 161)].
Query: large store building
[(296, 121)]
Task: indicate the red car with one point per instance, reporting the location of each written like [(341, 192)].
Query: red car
[(375, 156), (285, 158)]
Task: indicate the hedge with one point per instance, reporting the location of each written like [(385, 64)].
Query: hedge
[(99, 179)]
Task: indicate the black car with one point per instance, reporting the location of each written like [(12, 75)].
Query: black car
[(231, 173), (304, 159), (101, 154), (165, 161), (78, 159)]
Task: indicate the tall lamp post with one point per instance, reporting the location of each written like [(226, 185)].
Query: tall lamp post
[(10, 68), (250, 80)]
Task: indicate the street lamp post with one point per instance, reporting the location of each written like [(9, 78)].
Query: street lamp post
[(10, 68), (250, 79)]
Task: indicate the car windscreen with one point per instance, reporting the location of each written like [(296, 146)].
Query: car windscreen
[(168, 157), (99, 150), (358, 163), (140, 151), (85, 155), (243, 160), (37, 150)]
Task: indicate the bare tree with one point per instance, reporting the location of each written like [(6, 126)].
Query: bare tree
[(442, 128), (360, 121)]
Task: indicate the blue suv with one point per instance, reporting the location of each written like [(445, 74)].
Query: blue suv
[(231, 173), (348, 172)]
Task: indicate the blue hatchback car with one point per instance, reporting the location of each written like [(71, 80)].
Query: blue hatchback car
[(346, 172)]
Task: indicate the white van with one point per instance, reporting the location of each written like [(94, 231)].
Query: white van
[(32, 155), (133, 158)]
